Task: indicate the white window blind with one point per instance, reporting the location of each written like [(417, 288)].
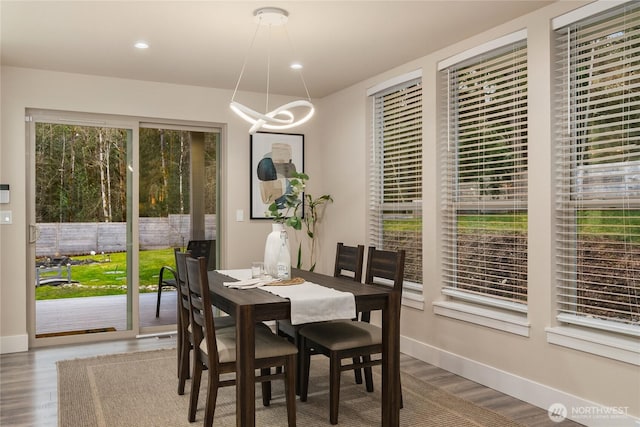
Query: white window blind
[(396, 175), (598, 171), (484, 152)]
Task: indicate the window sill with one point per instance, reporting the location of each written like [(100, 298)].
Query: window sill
[(413, 300), (492, 318), (624, 349)]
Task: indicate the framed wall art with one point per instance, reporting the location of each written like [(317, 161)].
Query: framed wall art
[(274, 158)]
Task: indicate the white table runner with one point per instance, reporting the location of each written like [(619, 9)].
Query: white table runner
[(310, 302), (239, 274)]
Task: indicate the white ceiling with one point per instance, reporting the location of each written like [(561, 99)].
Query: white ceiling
[(204, 43)]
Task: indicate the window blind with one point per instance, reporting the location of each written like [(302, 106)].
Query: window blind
[(396, 175), (598, 171), (485, 178)]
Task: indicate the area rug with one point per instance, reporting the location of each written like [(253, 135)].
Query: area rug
[(139, 389)]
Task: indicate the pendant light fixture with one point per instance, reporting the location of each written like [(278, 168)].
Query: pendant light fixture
[(280, 118)]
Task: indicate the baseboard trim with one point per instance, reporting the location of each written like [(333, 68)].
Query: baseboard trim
[(521, 388), (14, 344)]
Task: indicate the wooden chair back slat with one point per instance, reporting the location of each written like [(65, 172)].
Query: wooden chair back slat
[(203, 248), (349, 258), (181, 270), (386, 265)]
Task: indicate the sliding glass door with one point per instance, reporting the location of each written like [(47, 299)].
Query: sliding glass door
[(110, 198), (178, 203), (81, 228)]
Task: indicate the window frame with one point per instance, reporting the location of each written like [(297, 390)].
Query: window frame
[(412, 294), (577, 200), (510, 316)]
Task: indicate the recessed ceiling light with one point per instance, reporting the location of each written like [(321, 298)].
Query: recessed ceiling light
[(141, 45), (296, 66), (270, 16)]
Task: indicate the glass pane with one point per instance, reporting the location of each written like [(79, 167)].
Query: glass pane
[(172, 164), (81, 247)]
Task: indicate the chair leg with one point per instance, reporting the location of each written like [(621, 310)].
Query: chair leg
[(368, 378), (297, 340), (159, 295), (266, 387), (183, 374), (280, 333), (334, 388), (289, 388), (305, 360), (400, 387), (195, 387), (357, 372), (212, 395), (179, 339)]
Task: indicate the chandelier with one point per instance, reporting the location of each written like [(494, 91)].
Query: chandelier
[(283, 117)]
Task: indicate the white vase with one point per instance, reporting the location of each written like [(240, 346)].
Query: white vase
[(284, 257), (272, 250)]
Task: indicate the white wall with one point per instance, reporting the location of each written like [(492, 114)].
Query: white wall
[(336, 158), (530, 367)]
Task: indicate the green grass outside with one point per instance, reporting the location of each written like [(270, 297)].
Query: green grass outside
[(466, 223), (398, 225), (515, 222), (610, 224), (108, 277)]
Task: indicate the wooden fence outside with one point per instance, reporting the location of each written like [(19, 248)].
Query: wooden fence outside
[(80, 238)]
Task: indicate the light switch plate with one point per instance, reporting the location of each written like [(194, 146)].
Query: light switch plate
[(5, 217), (4, 193), (239, 215)]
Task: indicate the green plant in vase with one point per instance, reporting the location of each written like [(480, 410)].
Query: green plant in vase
[(314, 208), (285, 209), (297, 209)]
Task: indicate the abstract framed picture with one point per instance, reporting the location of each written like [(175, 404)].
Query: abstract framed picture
[(274, 158)]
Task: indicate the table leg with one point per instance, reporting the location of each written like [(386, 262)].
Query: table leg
[(391, 361), (245, 367)]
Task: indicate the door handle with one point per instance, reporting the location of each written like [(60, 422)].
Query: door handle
[(34, 233)]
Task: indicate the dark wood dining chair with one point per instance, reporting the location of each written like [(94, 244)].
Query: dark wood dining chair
[(355, 340), (349, 260), (185, 337), (168, 276), (216, 351)]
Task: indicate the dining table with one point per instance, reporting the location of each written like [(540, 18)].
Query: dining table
[(249, 306)]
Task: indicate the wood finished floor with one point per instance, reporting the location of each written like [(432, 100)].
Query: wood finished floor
[(28, 383)]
